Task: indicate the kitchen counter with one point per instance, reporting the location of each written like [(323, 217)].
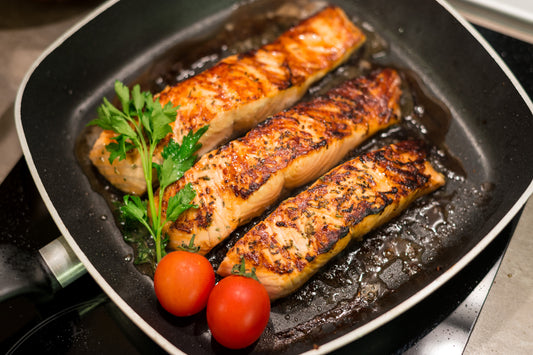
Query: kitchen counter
[(505, 324)]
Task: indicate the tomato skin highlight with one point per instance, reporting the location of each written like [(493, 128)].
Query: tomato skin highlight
[(238, 311), (183, 282)]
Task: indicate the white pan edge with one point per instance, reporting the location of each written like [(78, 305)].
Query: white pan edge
[(115, 297), (478, 248), (325, 348)]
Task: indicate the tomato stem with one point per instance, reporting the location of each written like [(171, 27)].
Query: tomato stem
[(191, 247), (240, 270)]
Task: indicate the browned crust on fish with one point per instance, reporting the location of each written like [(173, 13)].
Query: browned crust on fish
[(306, 231), (240, 180), (244, 89)]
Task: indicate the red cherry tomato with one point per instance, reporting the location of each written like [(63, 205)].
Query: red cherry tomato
[(238, 310), (182, 282)]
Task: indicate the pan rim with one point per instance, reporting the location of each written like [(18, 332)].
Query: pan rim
[(333, 344), (106, 287), (476, 250)]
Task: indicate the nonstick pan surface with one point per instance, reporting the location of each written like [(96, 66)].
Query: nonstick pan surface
[(487, 137)]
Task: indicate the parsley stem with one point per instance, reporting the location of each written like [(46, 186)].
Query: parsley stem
[(146, 152), (155, 230), (141, 124)]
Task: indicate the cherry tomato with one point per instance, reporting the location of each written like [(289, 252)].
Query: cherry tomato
[(238, 310), (182, 282)]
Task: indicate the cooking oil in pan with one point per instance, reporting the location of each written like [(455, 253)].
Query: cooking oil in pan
[(357, 284)]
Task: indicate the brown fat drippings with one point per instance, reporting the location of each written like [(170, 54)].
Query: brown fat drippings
[(354, 281)]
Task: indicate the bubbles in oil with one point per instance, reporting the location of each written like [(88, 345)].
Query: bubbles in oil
[(359, 278)]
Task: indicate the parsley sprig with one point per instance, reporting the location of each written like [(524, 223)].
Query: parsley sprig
[(141, 124)]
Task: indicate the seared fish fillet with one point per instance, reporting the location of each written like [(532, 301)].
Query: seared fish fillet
[(238, 181), (306, 231), (242, 90)]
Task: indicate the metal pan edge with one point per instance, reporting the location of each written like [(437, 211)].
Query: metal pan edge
[(468, 257), (124, 307), (334, 344)]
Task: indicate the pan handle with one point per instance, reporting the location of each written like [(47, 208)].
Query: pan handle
[(62, 261), (39, 274)]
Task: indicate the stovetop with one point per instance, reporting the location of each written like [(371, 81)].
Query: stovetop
[(81, 319)]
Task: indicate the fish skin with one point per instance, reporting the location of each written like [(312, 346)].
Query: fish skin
[(239, 180), (306, 231), (242, 90)]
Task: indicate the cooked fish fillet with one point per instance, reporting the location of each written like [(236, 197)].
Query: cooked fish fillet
[(240, 180), (306, 231), (242, 90)]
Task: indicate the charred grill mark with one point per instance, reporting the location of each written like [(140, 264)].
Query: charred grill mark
[(289, 81), (182, 227), (310, 258), (307, 127), (367, 208), (317, 219), (325, 240), (298, 57), (245, 165), (244, 193), (204, 215)]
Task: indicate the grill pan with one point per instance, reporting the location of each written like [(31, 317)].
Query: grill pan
[(487, 134)]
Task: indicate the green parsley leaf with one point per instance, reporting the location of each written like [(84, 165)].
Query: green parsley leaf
[(170, 171), (142, 124), (105, 113), (160, 122), (110, 110), (190, 141), (134, 208), (178, 158), (119, 149), (123, 94), (123, 127), (138, 99), (180, 202)]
